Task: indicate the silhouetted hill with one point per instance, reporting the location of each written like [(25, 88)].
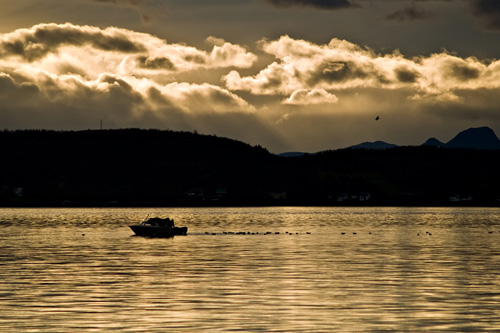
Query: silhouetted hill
[(134, 167), (378, 145), (433, 142), (291, 154), (475, 138), (130, 166)]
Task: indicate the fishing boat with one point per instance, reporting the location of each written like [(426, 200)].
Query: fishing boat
[(158, 227)]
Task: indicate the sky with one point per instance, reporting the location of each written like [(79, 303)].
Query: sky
[(289, 75)]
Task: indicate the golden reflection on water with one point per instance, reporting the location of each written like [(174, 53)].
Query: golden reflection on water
[(359, 270)]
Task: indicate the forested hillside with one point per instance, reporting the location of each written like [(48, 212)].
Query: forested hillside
[(133, 167)]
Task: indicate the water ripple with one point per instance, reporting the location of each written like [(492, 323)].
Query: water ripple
[(358, 270)]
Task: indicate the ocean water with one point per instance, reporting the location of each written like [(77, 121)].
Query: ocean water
[(328, 270)]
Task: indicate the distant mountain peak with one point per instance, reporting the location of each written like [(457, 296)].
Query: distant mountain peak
[(434, 143), (482, 138), (475, 138), (377, 145)]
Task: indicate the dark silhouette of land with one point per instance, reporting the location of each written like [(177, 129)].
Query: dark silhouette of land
[(133, 167), (472, 138)]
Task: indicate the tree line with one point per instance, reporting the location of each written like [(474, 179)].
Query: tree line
[(136, 167)]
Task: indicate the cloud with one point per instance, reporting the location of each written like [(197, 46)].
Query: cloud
[(315, 96), (41, 40), (488, 10), (134, 51), (66, 76), (320, 4), (40, 100), (341, 65), (138, 5), (123, 2), (409, 13)]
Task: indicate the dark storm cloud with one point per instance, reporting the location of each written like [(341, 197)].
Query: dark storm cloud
[(137, 5), (9, 87), (320, 4), (48, 103), (35, 43), (409, 13), (486, 6), (489, 11)]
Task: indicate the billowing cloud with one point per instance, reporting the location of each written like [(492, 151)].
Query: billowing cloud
[(132, 50), (341, 65), (322, 4), (41, 40), (66, 75), (315, 96)]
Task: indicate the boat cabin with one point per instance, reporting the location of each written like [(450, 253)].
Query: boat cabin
[(159, 222)]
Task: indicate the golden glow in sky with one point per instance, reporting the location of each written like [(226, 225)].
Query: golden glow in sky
[(312, 85)]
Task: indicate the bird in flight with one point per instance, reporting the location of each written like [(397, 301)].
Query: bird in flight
[(377, 118)]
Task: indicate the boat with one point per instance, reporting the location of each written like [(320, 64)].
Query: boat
[(158, 227)]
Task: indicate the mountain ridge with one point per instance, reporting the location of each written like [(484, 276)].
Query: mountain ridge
[(471, 138), (481, 138), (374, 145), (475, 138)]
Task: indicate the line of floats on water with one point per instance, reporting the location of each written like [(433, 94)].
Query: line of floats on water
[(277, 233), (252, 233)]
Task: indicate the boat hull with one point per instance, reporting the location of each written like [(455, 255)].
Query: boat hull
[(154, 231)]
